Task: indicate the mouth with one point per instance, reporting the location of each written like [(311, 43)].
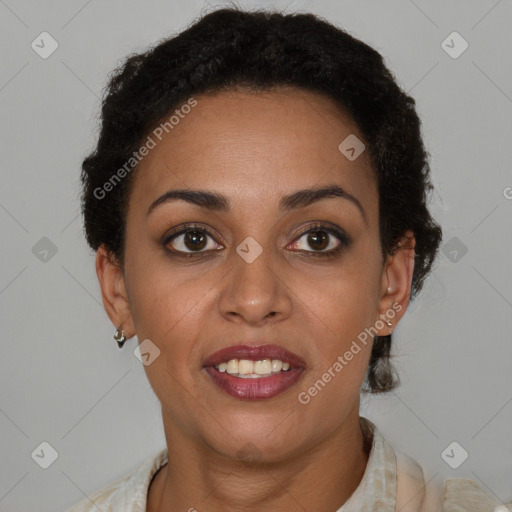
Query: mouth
[(254, 373)]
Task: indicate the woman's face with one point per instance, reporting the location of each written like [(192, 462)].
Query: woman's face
[(256, 269)]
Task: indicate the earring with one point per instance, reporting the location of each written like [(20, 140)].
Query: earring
[(389, 323), (120, 337)]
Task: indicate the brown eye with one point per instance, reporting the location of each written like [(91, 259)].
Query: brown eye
[(322, 240), (190, 240), (318, 240), (194, 240)]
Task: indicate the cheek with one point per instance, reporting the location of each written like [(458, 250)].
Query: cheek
[(169, 311), (172, 315), (340, 305), (162, 297), (337, 313)]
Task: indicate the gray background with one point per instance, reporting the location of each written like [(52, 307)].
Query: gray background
[(63, 378)]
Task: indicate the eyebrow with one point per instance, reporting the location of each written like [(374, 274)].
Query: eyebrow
[(217, 202)]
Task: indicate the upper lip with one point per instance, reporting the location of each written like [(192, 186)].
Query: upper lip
[(254, 353)]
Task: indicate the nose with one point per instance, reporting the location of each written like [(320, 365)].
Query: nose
[(255, 291)]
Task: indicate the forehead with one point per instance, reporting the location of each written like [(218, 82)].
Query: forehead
[(253, 147)]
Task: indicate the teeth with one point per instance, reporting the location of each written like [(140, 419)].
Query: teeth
[(263, 367), (246, 368), (277, 365), (232, 366)]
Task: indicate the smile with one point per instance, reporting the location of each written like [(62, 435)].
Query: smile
[(254, 373), (246, 368)]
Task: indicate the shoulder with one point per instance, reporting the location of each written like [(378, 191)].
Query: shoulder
[(414, 493), (128, 494), (420, 492), (461, 492), (417, 493)]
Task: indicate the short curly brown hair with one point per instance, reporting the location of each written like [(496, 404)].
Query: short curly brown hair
[(261, 50)]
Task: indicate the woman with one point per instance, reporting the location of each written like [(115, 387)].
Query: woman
[(257, 201)]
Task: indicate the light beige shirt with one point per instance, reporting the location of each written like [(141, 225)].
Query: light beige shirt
[(392, 482)]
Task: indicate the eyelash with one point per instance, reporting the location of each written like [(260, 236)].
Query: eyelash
[(343, 238)]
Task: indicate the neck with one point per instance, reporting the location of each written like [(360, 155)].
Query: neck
[(322, 478)]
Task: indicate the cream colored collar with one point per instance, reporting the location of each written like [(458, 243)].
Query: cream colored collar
[(393, 482)]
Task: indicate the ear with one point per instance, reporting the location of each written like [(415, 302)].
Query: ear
[(113, 291), (396, 283)]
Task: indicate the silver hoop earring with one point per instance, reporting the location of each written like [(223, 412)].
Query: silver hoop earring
[(120, 337), (389, 323)]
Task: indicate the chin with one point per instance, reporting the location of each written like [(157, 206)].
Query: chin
[(256, 437)]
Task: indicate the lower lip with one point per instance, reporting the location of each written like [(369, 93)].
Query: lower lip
[(257, 388)]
